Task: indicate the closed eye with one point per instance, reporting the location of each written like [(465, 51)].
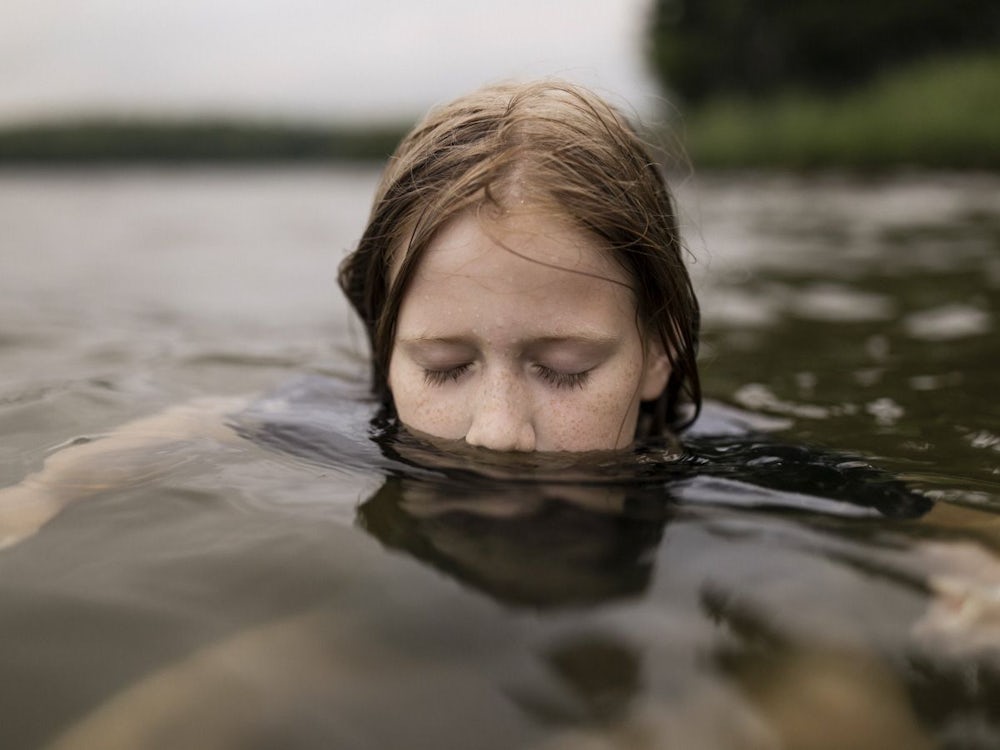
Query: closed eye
[(446, 375), (562, 379)]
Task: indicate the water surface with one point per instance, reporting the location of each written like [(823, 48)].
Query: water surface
[(829, 581)]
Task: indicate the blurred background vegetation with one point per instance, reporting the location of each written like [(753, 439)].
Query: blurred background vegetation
[(116, 141), (863, 84), (814, 83)]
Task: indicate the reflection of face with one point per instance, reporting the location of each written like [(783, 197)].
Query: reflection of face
[(543, 544), (520, 334)]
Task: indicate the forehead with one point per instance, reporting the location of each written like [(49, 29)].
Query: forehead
[(524, 265), (475, 243)]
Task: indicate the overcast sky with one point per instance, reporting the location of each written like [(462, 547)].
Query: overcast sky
[(306, 58)]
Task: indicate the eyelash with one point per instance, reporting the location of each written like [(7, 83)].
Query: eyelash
[(562, 379), (550, 376), (443, 377)]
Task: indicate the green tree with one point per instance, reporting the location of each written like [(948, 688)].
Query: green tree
[(703, 47)]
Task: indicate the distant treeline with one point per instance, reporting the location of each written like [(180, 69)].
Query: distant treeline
[(755, 48), (869, 84), (939, 113), (130, 141)]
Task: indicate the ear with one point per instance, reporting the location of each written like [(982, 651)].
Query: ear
[(656, 371)]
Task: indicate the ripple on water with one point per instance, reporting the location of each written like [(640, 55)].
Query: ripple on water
[(947, 322), (834, 303), (758, 397), (841, 304), (935, 382), (985, 439), (738, 308), (993, 272), (885, 410)]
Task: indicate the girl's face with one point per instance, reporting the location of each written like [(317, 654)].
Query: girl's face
[(520, 334)]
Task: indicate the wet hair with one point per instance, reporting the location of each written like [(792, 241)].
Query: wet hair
[(559, 148)]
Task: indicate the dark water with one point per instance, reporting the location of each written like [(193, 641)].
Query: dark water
[(826, 575)]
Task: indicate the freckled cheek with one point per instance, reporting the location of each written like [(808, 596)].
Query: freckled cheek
[(428, 408), (576, 427), (600, 419)]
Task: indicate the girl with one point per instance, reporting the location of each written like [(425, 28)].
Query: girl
[(522, 286)]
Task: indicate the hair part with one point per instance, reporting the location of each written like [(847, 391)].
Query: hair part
[(557, 147)]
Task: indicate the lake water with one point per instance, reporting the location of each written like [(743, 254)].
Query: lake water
[(831, 582)]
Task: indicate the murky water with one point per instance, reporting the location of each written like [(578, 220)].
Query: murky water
[(832, 581)]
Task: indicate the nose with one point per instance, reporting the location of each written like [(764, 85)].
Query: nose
[(501, 418)]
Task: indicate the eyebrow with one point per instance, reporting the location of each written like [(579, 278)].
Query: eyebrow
[(586, 339)]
